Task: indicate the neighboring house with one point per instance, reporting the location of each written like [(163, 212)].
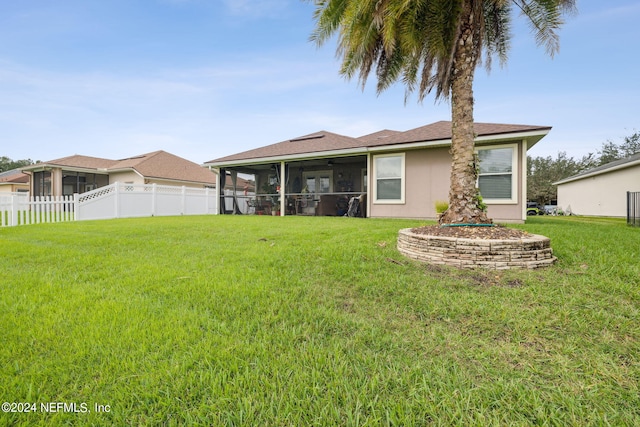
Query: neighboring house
[(14, 181), (242, 185), (601, 191), (78, 174), (401, 174)]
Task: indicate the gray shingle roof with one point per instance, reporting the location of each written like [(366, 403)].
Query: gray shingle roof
[(163, 165), (442, 131), (157, 164), (312, 143), (617, 164), (14, 176)]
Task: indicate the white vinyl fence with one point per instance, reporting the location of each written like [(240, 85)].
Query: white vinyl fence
[(19, 209), (117, 200)]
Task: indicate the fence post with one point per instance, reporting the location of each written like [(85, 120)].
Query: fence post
[(41, 212), (14, 210), (116, 203), (76, 206), (633, 208), (55, 208), (47, 209), (154, 201), (628, 207), (184, 201), (206, 201)]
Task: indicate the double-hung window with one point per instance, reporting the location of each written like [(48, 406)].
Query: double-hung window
[(389, 182), (497, 174)]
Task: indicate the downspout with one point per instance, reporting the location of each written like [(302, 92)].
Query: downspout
[(523, 174), (283, 181), (369, 187)]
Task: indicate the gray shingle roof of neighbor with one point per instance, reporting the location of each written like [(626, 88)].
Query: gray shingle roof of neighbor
[(608, 167), (323, 141), (76, 161), (163, 165), (14, 176), (157, 164)]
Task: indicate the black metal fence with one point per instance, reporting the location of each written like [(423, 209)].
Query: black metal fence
[(633, 208)]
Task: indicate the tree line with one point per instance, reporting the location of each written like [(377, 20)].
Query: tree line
[(542, 172), (6, 164)]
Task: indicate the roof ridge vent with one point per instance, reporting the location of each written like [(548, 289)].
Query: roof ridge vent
[(305, 138), (132, 158)]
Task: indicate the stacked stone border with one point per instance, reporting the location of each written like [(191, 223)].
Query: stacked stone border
[(531, 252)]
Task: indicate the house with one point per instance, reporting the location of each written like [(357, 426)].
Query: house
[(78, 174), (398, 174), (601, 191), (14, 181)]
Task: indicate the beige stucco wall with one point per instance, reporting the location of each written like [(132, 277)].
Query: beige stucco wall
[(427, 178), (128, 177), (14, 188), (600, 195), (134, 178)]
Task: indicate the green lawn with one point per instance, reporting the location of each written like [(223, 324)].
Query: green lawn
[(270, 321)]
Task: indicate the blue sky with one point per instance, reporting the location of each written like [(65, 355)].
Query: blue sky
[(204, 79)]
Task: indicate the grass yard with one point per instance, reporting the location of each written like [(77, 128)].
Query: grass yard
[(242, 321)]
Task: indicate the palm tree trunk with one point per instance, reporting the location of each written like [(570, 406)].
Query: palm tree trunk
[(463, 193)]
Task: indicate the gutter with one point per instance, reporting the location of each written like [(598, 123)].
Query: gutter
[(41, 167)]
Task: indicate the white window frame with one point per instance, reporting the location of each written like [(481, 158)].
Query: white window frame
[(374, 180), (515, 172)]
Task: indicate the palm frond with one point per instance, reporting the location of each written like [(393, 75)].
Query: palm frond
[(545, 17), (414, 41), (496, 31)]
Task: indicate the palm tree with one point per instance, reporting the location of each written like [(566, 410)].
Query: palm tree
[(437, 44)]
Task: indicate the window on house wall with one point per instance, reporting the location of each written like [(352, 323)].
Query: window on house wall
[(389, 178), (497, 174)]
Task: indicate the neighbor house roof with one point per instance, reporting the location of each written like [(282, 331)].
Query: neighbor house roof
[(157, 164), (325, 143), (241, 184), (75, 161), (606, 168), (14, 176), (163, 165)]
